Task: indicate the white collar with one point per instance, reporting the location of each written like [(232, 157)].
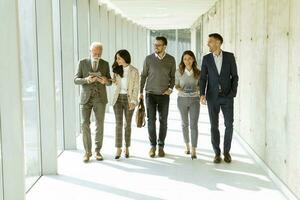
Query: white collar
[(189, 73), (160, 58), (126, 68), (92, 60), (218, 56)]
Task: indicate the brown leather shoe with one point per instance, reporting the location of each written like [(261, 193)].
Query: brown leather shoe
[(227, 158), (161, 152), (217, 159), (98, 156), (152, 152), (86, 157)]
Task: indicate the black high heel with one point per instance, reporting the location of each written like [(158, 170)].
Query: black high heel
[(126, 153), (118, 155)]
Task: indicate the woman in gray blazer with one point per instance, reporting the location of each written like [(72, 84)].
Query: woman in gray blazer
[(126, 82), (188, 101)]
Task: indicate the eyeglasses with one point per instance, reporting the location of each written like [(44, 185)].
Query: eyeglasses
[(158, 45)]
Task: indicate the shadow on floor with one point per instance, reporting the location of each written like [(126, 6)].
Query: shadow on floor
[(238, 174), (102, 187)]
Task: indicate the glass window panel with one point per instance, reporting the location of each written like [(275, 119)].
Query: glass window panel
[(199, 45), (30, 95), (1, 180), (171, 37), (58, 75), (184, 42), (176, 44)]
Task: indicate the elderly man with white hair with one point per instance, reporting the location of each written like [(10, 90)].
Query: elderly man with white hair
[(93, 76)]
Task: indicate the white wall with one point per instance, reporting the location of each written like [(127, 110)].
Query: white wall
[(265, 37)]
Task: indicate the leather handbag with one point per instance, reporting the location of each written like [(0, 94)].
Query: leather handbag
[(140, 115)]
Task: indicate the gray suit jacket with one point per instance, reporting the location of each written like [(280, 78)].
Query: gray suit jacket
[(84, 68)]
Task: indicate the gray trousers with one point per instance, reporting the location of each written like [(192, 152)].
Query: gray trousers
[(189, 108), (121, 109), (99, 110)]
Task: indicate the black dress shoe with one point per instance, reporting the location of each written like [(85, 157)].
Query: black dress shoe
[(217, 159), (227, 158), (193, 157)]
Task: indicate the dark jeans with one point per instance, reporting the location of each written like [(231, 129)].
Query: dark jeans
[(226, 105), (158, 103)]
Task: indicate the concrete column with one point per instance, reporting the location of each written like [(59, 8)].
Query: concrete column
[(119, 33), (83, 44), (293, 112), (70, 103), (148, 41), (95, 20), (193, 39), (134, 44), (46, 86), (130, 36), (104, 31), (125, 33), (111, 35), (83, 28), (142, 45), (11, 119)]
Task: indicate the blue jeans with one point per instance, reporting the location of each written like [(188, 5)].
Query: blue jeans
[(158, 103)]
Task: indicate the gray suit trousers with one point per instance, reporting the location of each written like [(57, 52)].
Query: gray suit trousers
[(98, 107)]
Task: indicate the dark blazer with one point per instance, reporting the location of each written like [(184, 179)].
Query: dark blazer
[(83, 70), (210, 78)]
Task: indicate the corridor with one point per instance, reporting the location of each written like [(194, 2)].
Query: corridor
[(42, 44), (174, 177)]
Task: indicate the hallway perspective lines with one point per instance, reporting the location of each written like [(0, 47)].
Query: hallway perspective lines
[(173, 177)]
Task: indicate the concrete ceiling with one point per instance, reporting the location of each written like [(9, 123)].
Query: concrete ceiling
[(161, 14)]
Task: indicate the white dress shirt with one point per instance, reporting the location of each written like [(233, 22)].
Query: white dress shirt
[(160, 58), (124, 81), (218, 61), (92, 63)]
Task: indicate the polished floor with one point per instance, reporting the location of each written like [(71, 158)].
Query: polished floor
[(174, 177)]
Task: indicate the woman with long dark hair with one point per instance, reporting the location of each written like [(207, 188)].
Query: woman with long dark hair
[(188, 101), (126, 81)]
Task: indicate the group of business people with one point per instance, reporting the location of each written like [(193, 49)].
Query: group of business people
[(215, 85)]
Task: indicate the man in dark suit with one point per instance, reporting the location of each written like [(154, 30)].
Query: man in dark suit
[(93, 75), (218, 86)]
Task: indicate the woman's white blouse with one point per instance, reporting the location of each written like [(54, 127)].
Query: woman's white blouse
[(124, 81)]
